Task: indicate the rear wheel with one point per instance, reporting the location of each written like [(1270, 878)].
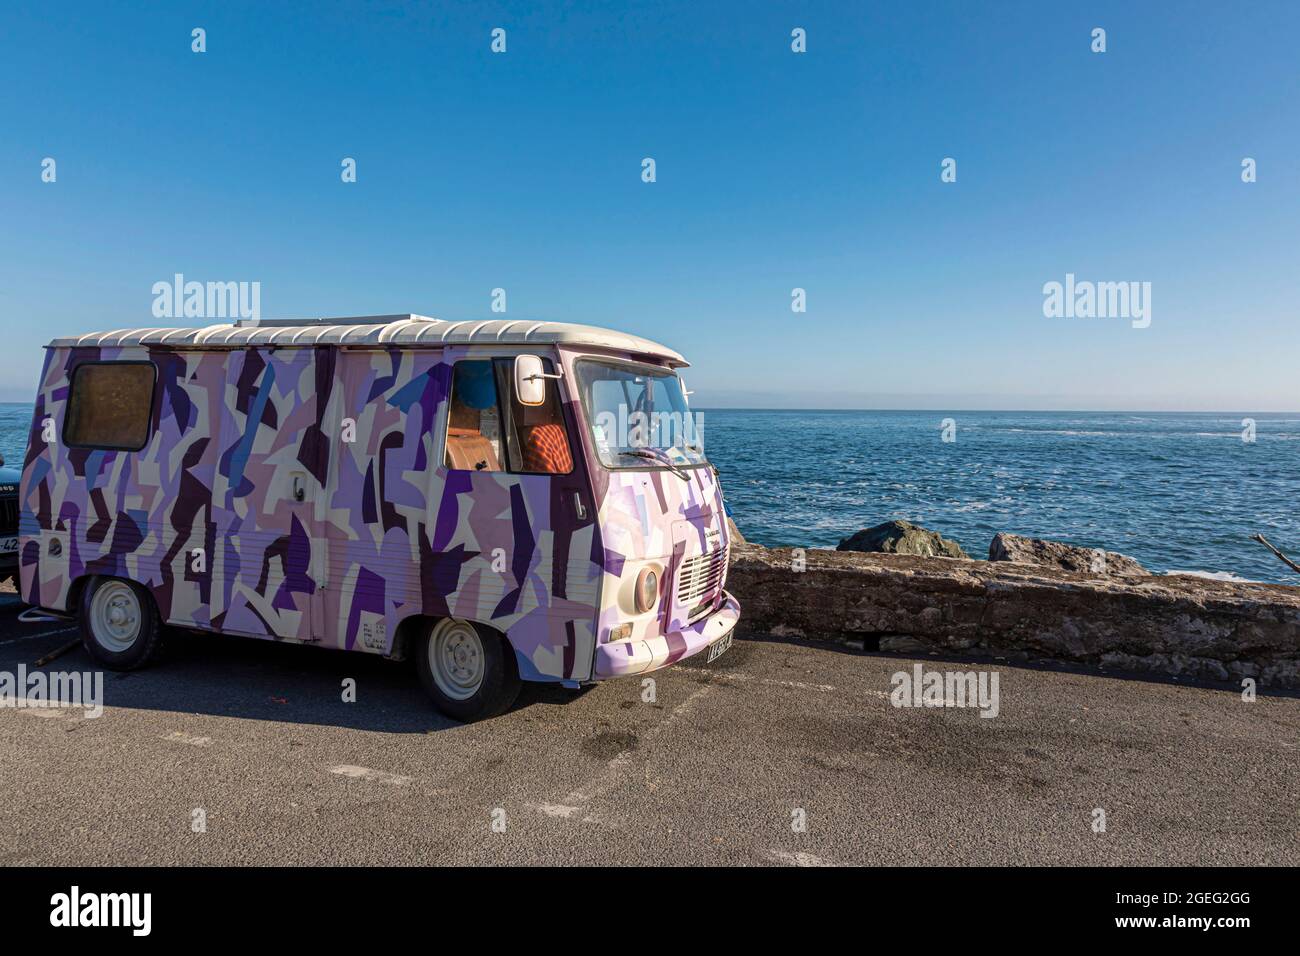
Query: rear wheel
[(120, 628), (468, 670)]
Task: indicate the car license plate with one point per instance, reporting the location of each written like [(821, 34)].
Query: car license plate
[(9, 545), (718, 648)]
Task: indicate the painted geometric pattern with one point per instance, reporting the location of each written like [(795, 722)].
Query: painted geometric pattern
[(307, 536)]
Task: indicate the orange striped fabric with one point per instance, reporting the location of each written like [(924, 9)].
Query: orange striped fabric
[(546, 449)]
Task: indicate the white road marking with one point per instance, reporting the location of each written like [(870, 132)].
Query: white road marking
[(184, 738), (32, 637), (769, 681), (563, 811), (798, 858), (606, 778), (49, 713), (365, 773)]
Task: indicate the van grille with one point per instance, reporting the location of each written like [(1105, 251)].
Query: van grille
[(700, 576), (8, 516)]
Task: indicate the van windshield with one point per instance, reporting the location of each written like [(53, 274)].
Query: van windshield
[(638, 416)]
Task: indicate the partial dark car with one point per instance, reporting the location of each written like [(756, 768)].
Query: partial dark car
[(9, 478)]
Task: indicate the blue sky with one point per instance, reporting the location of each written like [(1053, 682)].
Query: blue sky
[(775, 170)]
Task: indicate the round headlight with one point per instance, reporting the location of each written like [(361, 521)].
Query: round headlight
[(647, 590)]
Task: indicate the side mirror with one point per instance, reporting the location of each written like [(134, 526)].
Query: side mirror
[(530, 380)]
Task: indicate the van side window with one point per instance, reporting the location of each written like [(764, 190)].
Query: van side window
[(537, 441), (474, 419), (109, 406), (486, 434)]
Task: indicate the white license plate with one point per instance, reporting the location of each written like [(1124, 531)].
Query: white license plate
[(718, 648), (9, 545)]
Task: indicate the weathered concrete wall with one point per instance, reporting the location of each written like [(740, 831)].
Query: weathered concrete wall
[(1180, 625)]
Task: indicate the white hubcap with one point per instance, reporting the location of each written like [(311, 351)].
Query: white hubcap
[(115, 616), (456, 658)]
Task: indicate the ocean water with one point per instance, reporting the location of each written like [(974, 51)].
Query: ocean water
[(1179, 492), (1176, 491)]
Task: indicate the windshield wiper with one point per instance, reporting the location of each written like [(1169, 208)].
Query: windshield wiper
[(651, 456)]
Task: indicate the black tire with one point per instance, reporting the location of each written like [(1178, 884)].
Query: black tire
[(499, 685), (101, 646)]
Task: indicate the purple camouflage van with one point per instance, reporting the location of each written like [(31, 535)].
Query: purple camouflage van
[(503, 501)]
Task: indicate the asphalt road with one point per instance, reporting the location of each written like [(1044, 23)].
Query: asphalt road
[(718, 769)]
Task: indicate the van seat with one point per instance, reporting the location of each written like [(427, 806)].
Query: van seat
[(546, 449), (468, 450)]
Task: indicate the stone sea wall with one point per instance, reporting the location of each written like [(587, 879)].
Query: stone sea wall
[(1177, 625)]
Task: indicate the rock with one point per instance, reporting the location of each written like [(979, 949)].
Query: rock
[(1067, 557), (734, 533), (902, 537), (1172, 625)]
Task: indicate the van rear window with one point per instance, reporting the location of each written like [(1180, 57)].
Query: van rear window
[(109, 405)]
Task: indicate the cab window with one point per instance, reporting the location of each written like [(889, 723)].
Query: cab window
[(485, 433)]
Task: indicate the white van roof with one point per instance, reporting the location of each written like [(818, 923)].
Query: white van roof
[(375, 330)]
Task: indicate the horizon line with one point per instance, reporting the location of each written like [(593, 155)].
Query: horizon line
[(951, 408), (1061, 411)]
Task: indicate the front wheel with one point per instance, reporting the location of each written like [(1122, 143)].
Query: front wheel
[(468, 670), (120, 627)]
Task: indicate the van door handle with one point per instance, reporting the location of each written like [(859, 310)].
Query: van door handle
[(578, 507), (299, 491)]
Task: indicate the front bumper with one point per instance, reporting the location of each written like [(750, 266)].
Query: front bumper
[(624, 658)]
